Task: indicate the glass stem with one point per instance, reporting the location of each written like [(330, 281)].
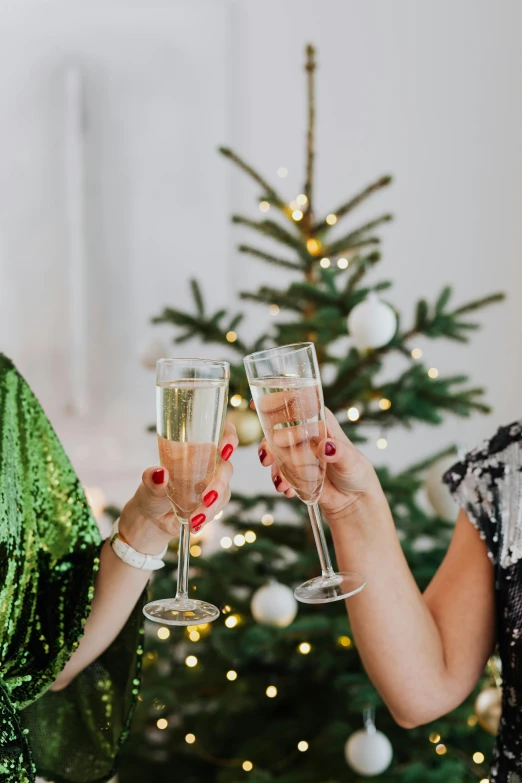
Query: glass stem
[(183, 561), (320, 540)]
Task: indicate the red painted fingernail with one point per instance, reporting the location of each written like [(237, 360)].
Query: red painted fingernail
[(198, 521), (277, 480), (158, 476), (227, 451), (262, 455), (329, 448), (210, 498)]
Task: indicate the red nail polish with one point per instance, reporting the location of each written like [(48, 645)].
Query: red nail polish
[(277, 480), (210, 498), (227, 451), (262, 455), (329, 449), (198, 521), (158, 476)]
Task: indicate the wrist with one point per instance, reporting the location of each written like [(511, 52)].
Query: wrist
[(361, 505), (143, 534)]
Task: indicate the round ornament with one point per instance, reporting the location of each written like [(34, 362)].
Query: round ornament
[(372, 323), (438, 493), (274, 604), (149, 353), (488, 708), (247, 425), (368, 752)]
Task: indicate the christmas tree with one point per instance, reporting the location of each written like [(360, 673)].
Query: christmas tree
[(270, 697)]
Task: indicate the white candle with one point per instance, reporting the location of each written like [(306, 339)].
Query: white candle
[(77, 256)]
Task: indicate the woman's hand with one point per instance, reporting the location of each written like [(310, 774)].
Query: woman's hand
[(148, 521)]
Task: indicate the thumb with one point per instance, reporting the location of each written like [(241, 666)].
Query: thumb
[(152, 491)]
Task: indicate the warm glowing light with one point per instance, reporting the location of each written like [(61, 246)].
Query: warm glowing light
[(190, 739), (325, 263), (282, 172), (226, 609), (226, 542), (293, 205), (297, 214), (434, 737), (250, 536), (472, 720), (191, 661), (271, 691), (441, 749), (264, 206), (304, 648), (416, 353), (231, 336), (384, 404), (194, 636), (345, 641), (248, 766), (484, 780), (231, 621), (382, 443), (195, 550), (236, 400), (342, 263), (273, 309), (267, 519), (239, 540), (162, 723), (301, 200), (218, 516), (353, 413), (302, 746), (163, 633), (231, 675), (313, 246), (433, 372), (331, 219), (478, 757)]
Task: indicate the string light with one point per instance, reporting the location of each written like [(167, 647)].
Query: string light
[(163, 633), (191, 661), (478, 757), (416, 353), (313, 246), (297, 215), (264, 206), (162, 723), (236, 400), (345, 641), (271, 691), (239, 540), (382, 443), (302, 200), (331, 219), (218, 516), (441, 749), (273, 309), (324, 262), (267, 520), (231, 621), (248, 766), (282, 172), (302, 746), (226, 542), (231, 675), (195, 550), (194, 636), (435, 738), (304, 648), (342, 263), (250, 536), (231, 336), (433, 372), (190, 739), (226, 609), (472, 720), (384, 404), (293, 205), (353, 413), (484, 780)]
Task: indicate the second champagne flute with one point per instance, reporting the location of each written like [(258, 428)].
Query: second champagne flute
[(287, 391), (191, 404)]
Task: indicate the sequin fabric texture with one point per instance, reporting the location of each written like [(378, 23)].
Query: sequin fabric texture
[(488, 486), (49, 555)]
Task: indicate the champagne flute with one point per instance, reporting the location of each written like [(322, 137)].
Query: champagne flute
[(191, 404), (287, 391)]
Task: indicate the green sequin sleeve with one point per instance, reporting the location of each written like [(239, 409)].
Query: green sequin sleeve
[(49, 555)]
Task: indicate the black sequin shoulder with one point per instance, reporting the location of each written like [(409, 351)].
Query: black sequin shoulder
[(487, 484)]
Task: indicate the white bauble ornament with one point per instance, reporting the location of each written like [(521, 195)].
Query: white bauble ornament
[(438, 493), (274, 604), (368, 752), (372, 323), (149, 353), (247, 426)]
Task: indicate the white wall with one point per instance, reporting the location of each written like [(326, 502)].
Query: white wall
[(427, 91)]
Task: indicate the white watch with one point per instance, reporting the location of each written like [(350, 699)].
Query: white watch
[(129, 555)]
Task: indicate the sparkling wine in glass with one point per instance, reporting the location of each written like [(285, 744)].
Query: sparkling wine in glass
[(287, 391), (191, 403)]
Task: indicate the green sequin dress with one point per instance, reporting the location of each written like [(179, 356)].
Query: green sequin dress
[(49, 555)]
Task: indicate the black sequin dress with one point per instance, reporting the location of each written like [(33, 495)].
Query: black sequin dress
[(488, 485)]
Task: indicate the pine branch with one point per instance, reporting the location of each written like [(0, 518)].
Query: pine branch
[(356, 237), (272, 194), (198, 296), (270, 228), (359, 268), (420, 467), (310, 153), (343, 210), (478, 304), (267, 295), (270, 259)]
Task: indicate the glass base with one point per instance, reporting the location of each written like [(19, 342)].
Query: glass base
[(324, 589), (180, 611)]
